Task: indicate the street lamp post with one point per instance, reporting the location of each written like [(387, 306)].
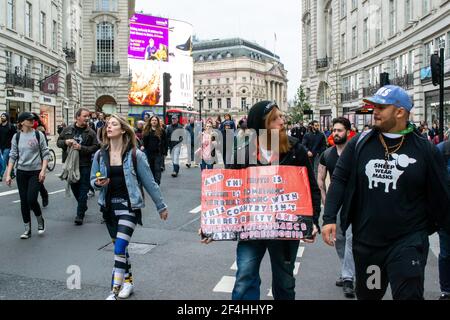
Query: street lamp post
[(199, 97)]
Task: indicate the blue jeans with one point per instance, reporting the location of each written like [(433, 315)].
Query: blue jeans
[(204, 165), (4, 158), (81, 189), (282, 259), (444, 261)]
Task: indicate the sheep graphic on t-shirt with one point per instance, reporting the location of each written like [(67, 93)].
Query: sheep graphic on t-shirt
[(380, 171)]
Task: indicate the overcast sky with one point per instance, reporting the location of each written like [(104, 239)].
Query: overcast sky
[(254, 20)]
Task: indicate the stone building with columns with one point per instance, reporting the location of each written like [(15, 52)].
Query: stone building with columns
[(346, 44), (233, 74)]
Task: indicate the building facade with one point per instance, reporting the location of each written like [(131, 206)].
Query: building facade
[(231, 75), (59, 55), (346, 44), (32, 61), (105, 55)]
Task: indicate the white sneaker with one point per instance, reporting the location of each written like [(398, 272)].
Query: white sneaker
[(127, 290), (112, 296)]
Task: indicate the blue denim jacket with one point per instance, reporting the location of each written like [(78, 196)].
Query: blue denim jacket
[(134, 190)]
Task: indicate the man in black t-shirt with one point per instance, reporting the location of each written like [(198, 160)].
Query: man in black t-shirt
[(392, 187), (343, 244)]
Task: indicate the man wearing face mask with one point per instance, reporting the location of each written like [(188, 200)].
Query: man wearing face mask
[(328, 159), (7, 131)]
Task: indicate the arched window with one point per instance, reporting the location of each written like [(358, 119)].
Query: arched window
[(105, 47)]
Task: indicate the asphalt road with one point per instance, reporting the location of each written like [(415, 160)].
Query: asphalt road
[(168, 260)]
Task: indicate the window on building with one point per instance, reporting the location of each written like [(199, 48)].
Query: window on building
[(244, 103), (345, 85), (217, 81), (411, 61), (105, 47), (307, 5), (200, 82), (228, 103), (408, 12), (228, 80), (343, 47), (329, 30), (439, 42), (354, 42), (27, 65), (210, 103), (426, 8), (9, 62), (42, 28), (244, 79), (343, 8), (378, 27), (219, 103), (55, 35), (392, 18), (209, 81), (308, 42), (28, 20), (106, 5), (447, 46), (11, 14), (366, 34), (354, 4), (427, 53)]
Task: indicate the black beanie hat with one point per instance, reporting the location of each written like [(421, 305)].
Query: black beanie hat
[(255, 119)]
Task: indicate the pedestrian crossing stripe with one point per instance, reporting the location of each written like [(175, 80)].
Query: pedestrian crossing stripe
[(225, 284)]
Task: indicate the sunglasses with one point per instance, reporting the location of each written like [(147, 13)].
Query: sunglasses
[(269, 107)]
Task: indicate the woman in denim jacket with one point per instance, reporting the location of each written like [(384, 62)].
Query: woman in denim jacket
[(120, 171)]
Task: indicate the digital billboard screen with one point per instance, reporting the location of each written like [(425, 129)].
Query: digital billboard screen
[(157, 46)]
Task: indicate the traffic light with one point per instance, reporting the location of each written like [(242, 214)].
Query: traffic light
[(435, 63), (167, 87), (384, 79)]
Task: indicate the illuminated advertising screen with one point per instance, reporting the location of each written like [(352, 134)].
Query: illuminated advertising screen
[(158, 46)]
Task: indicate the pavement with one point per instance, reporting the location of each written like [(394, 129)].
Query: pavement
[(168, 260)]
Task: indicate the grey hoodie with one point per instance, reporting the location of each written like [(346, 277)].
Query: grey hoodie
[(29, 151)]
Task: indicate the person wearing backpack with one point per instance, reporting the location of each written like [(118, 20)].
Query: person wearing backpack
[(444, 237), (120, 172), (390, 184), (30, 153)]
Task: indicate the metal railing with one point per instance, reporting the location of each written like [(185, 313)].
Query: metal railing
[(70, 55), (406, 81), (19, 80), (323, 63), (350, 96), (370, 90), (106, 68)]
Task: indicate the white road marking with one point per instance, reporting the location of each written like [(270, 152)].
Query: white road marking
[(234, 266), (54, 192), (300, 252), (270, 293), (196, 210), (296, 267), (434, 244), (225, 284), (7, 193)]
